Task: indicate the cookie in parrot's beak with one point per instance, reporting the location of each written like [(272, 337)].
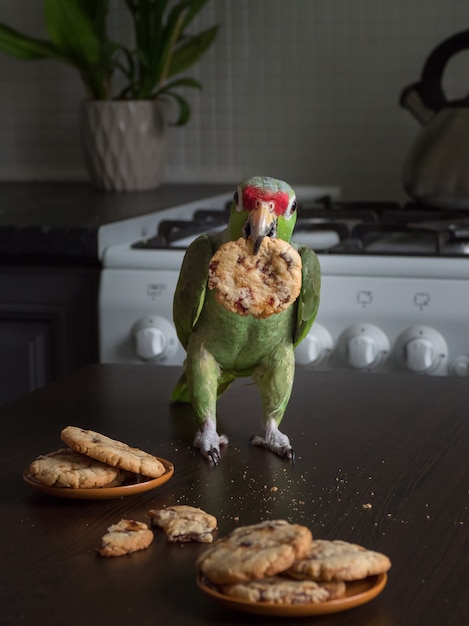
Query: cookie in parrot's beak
[(260, 223)]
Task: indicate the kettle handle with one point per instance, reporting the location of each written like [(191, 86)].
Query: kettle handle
[(426, 97)]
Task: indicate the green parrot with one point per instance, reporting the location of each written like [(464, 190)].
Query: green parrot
[(222, 346)]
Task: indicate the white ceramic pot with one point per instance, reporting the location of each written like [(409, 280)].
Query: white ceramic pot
[(125, 143)]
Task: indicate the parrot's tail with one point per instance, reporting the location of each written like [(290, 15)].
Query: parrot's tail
[(181, 391)]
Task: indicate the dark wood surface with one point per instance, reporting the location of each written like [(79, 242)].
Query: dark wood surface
[(397, 443)]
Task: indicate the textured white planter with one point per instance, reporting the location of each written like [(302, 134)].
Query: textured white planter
[(125, 143)]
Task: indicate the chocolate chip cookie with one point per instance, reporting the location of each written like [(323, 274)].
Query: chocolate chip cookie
[(281, 590), (182, 523), (339, 560), (259, 284), (67, 468), (112, 452), (125, 537), (256, 551)]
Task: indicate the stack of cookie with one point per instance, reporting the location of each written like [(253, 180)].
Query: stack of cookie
[(278, 562), (92, 460)]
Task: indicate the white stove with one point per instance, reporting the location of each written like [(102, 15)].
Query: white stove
[(395, 284)]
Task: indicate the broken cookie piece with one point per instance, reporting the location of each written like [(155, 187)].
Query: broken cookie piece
[(182, 523), (125, 537)]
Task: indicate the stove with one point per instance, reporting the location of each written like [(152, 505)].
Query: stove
[(394, 297)]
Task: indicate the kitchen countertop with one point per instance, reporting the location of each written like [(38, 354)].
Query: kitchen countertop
[(380, 460), (62, 219)]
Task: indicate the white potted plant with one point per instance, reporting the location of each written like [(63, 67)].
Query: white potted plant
[(124, 132)]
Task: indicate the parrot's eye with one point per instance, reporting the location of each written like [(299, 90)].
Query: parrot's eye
[(238, 201), (291, 210)]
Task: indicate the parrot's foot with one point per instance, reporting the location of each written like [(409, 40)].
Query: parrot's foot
[(275, 441), (209, 441)]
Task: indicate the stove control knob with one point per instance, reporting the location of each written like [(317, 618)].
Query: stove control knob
[(155, 338), (422, 349), (419, 354), (315, 347), (460, 366), (149, 342), (365, 346)]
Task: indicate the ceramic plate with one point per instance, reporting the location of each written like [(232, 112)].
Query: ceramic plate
[(358, 592), (139, 485)]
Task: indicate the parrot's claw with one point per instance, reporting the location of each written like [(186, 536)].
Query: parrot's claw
[(275, 441), (285, 452), (214, 455), (288, 455), (209, 441)]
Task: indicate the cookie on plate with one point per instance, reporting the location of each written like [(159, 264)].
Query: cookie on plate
[(182, 523), (282, 590), (125, 537), (112, 452), (255, 284), (67, 468), (339, 560), (253, 552)]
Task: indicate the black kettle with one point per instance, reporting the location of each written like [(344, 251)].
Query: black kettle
[(436, 171)]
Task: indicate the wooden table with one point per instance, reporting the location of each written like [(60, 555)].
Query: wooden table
[(381, 461)]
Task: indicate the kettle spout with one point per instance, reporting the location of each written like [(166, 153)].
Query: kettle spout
[(411, 99)]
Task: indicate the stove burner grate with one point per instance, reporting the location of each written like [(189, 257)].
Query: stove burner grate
[(366, 228)]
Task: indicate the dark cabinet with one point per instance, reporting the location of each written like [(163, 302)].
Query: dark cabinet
[(48, 324)]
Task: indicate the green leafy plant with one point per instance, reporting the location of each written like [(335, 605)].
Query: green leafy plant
[(162, 47)]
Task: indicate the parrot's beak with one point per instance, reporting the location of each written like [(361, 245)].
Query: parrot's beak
[(261, 223)]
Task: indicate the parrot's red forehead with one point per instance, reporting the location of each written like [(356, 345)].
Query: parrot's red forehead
[(251, 194)]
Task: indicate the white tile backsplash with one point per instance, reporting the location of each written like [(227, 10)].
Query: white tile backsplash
[(305, 90)]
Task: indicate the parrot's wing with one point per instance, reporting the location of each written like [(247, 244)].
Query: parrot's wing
[(308, 300), (191, 287)]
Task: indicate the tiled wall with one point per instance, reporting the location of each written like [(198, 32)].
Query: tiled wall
[(305, 90)]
